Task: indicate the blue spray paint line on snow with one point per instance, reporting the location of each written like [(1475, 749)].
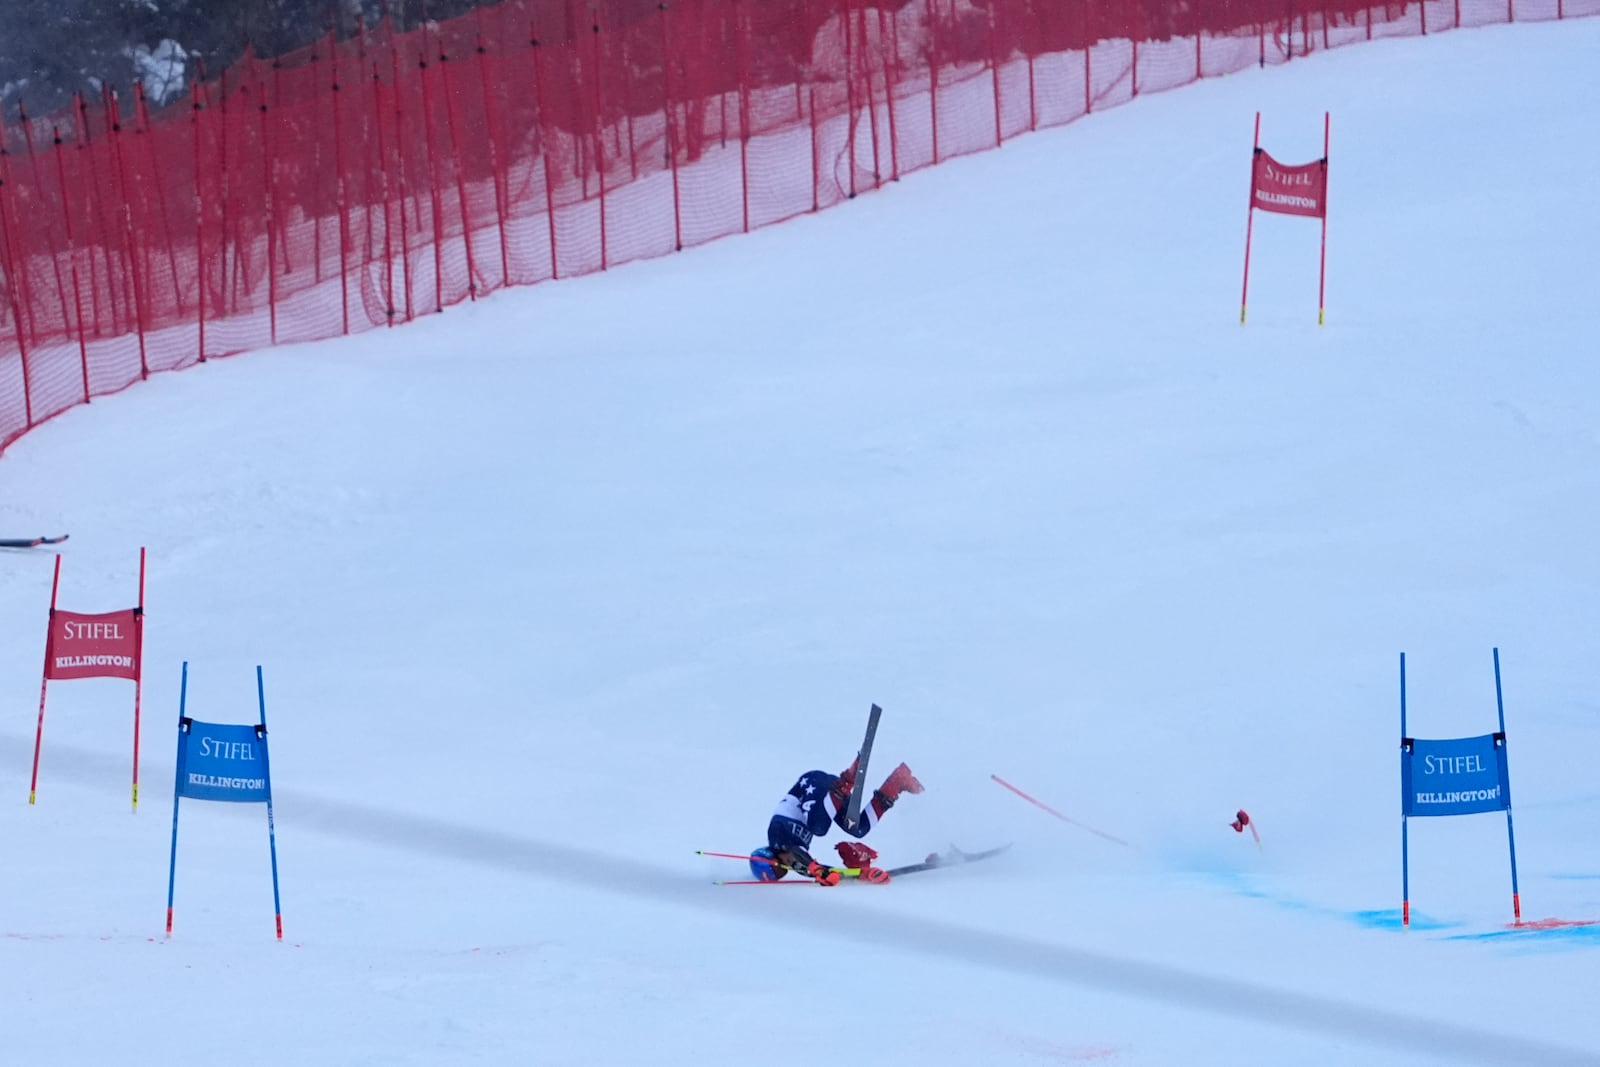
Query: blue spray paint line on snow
[(1530, 938), (1242, 884), (1390, 919)]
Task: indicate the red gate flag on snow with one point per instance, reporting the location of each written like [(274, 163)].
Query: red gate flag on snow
[(1301, 190), (105, 645), (93, 646), (1288, 190)]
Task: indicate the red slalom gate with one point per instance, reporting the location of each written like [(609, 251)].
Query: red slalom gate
[(104, 645), (1288, 190)]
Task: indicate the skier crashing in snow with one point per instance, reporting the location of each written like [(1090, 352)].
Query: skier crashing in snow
[(817, 801)]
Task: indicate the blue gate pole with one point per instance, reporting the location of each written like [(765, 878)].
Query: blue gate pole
[(177, 791), (1405, 848), (1511, 838), (272, 835)]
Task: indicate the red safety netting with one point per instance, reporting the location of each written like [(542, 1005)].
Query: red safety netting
[(366, 181)]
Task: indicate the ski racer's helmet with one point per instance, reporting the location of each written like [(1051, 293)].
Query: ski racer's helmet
[(764, 865)]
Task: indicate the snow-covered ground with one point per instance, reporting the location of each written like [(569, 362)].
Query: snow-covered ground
[(553, 590)]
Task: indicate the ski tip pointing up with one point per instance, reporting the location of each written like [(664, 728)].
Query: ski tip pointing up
[(30, 542)]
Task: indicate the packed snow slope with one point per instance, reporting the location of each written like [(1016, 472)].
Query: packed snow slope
[(553, 590)]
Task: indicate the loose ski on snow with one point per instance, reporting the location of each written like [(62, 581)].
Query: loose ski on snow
[(954, 858), (30, 542)]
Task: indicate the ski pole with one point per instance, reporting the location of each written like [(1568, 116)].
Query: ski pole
[(736, 856), (1042, 805)]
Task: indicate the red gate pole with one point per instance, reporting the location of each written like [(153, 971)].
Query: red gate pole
[(672, 127), (497, 154), (138, 678), (545, 127), (1250, 219), (44, 682), (1322, 266), (72, 258)]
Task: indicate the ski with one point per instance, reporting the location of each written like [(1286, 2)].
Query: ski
[(803, 879), (954, 858), (30, 542), (852, 813)]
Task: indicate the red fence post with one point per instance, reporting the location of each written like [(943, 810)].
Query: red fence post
[(672, 125), (599, 139), (72, 259), (889, 47), (283, 216), (38, 185), (114, 124), (460, 169), (198, 108), (1088, 52), (383, 181), (545, 127), (404, 185), (994, 68), (742, 49), (15, 284), (497, 159), (340, 193), (433, 175), (872, 105), (933, 75), (268, 180), (849, 95), (222, 189), (91, 188), (816, 159), (142, 127)]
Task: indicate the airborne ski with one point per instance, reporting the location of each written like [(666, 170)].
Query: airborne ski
[(852, 814), (30, 542)]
